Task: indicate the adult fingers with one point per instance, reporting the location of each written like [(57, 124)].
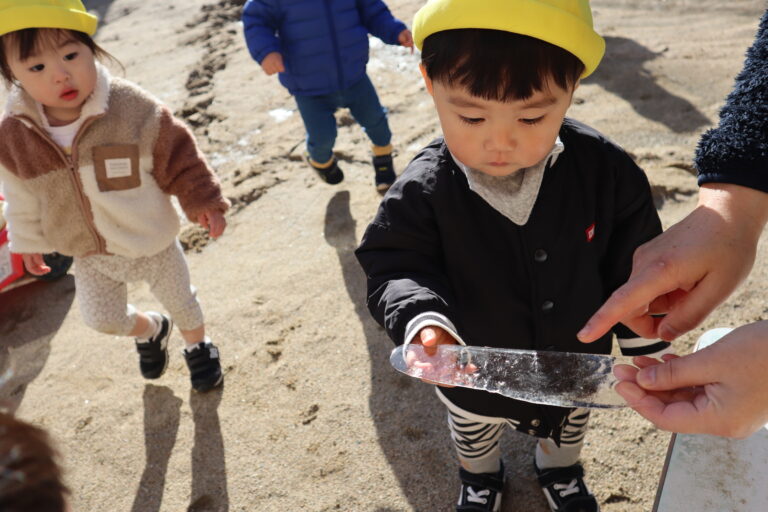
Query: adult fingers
[(629, 303), (689, 312), (687, 371)]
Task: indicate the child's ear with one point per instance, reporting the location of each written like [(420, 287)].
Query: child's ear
[(427, 80)]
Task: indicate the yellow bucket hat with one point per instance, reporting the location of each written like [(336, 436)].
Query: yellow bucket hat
[(563, 23), (67, 14)]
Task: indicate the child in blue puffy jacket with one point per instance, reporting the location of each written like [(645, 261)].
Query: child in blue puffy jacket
[(320, 50)]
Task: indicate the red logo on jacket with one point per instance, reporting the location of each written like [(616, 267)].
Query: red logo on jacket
[(590, 231)]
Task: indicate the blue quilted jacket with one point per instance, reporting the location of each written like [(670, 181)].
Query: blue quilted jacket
[(324, 43)]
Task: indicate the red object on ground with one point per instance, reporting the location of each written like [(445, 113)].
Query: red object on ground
[(11, 265)]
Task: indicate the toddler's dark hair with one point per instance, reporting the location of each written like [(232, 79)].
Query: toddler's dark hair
[(498, 65), (30, 40), (30, 478)]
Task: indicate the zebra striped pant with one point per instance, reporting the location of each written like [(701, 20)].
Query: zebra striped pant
[(476, 439)]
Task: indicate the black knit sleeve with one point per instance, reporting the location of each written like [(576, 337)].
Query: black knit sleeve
[(736, 151), (400, 254)]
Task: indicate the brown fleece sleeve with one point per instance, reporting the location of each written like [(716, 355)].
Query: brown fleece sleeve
[(180, 169)]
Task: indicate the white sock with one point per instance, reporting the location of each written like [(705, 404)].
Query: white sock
[(191, 347), (552, 456), (153, 327), (487, 464)]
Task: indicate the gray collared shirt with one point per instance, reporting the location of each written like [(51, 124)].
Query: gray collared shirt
[(514, 195)]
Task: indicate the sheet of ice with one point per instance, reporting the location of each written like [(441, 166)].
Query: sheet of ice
[(564, 379), (280, 114)]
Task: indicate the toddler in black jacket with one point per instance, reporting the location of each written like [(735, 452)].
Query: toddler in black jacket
[(511, 229)]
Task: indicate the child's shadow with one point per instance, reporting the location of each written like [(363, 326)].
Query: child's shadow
[(30, 316), (162, 414), (209, 470), (621, 72), (409, 418)]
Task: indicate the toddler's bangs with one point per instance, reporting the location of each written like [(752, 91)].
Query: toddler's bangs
[(498, 65)]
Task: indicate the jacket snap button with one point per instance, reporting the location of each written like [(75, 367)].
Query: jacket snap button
[(547, 305), (532, 432), (535, 423), (540, 255)]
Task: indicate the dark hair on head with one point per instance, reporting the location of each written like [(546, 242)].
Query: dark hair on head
[(30, 478), (29, 41), (498, 65)]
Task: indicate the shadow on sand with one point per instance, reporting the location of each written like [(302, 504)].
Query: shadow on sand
[(621, 72), (162, 415), (209, 469), (409, 418), (30, 317)]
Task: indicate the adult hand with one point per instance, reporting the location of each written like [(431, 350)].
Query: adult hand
[(214, 222), (35, 264), (719, 390), (273, 63), (688, 270), (405, 38)]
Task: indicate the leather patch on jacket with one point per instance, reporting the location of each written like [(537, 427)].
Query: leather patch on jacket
[(117, 167)]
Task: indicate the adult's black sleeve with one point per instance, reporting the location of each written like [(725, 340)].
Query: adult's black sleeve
[(736, 151)]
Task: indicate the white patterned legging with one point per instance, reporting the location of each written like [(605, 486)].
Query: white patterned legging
[(102, 293), (476, 439)]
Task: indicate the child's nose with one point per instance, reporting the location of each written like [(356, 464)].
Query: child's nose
[(501, 140), (60, 74)]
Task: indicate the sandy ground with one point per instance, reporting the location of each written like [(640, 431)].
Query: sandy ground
[(312, 417)]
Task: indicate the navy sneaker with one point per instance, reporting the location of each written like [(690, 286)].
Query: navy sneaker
[(480, 492), (204, 366), (565, 489), (153, 353), (385, 172)]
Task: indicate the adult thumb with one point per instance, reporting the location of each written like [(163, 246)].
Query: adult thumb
[(686, 371)]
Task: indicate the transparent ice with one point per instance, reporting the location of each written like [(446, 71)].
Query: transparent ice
[(564, 379)]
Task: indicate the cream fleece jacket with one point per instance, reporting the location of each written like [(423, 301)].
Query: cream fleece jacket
[(113, 194)]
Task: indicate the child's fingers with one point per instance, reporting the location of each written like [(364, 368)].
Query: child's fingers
[(35, 264), (215, 226), (202, 219), (428, 337)]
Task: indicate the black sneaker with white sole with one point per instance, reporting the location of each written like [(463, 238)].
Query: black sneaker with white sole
[(204, 366), (480, 492), (565, 489), (153, 353)]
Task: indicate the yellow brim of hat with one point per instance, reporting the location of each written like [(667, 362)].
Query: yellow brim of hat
[(38, 16), (563, 23)]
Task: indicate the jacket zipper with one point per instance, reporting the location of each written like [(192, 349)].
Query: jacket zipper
[(335, 43), (70, 162)]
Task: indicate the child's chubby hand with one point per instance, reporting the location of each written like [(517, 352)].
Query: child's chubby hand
[(35, 264), (214, 222), (405, 38), (273, 63), (427, 359)]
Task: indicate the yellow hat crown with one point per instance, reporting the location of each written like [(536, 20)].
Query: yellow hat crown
[(563, 23), (66, 14)]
